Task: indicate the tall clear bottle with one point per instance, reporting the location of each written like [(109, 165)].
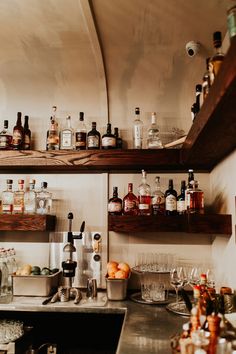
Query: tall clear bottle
[(53, 132), (81, 133), (153, 139), (144, 196), (137, 130), (30, 198), (217, 59), (7, 198), (130, 202), (67, 136), (158, 198), (18, 198), (43, 200)]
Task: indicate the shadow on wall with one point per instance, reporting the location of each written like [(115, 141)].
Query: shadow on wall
[(219, 205)]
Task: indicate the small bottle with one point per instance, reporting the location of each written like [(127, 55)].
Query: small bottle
[(18, 198), (93, 138), (153, 139), (144, 196), (5, 137), (171, 199), (30, 198), (27, 134), (18, 134), (130, 202), (7, 198), (53, 133), (119, 142), (137, 130), (181, 205), (67, 136), (206, 81), (189, 188), (43, 200), (217, 59), (158, 199), (108, 139), (231, 20), (196, 199), (198, 102), (81, 133), (115, 203)]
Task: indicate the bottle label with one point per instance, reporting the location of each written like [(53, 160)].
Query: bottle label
[(144, 206), (231, 22), (114, 207), (129, 205), (171, 204), (7, 208), (3, 142), (137, 136), (66, 140), (17, 137), (180, 206), (108, 141), (80, 139), (93, 141)]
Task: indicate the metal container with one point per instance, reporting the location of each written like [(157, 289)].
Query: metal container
[(116, 289), (35, 285)]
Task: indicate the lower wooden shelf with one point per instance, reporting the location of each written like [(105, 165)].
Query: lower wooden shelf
[(191, 223), (27, 222)]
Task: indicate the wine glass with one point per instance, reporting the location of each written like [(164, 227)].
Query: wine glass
[(177, 280), (194, 276)]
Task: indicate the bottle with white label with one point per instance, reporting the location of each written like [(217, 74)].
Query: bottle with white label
[(144, 196), (7, 198), (67, 136), (115, 203), (137, 130), (181, 205), (171, 199), (108, 139)]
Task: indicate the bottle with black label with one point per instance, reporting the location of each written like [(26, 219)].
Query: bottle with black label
[(115, 203), (181, 205), (27, 134), (108, 139), (93, 138), (81, 134), (171, 199), (18, 134)]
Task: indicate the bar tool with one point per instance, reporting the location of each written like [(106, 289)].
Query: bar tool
[(91, 288)]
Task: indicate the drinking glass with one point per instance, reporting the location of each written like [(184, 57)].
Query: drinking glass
[(177, 280)]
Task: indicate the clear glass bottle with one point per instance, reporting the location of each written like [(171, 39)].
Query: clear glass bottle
[(43, 200), (181, 205), (130, 202), (108, 139), (27, 134), (144, 196), (158, 198), (5, 137), (153, 139), (119, 142), (93, 138), (53, 132), (67, 136), (81, 133), (171, 199), (217, 59), (137, 130), (18, 198), (206, 81), (30, 198), (115, 203), (18, 134), (7, 198)]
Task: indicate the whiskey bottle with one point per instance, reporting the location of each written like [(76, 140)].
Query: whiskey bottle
[(18, 198), (81, 134), (119, 142), (217, 59), (5, 137), (18, 134), (196, 196), (27, 134), (181, 205), (153, 139), (67, 136), (171, 199), (108, 139), (30, 198), (206, 81), (189, 189), (7, 198), (130, 202), (43, 200), (115, 203), (53, 133), (144, 196), (158, 199), (93, 138), (198, 103), (137, 130)]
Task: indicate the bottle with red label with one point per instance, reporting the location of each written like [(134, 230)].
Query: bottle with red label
[(115, 203), (144, 196), (130, 202)]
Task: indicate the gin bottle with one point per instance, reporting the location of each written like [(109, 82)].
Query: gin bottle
[(30, 198), (18, 198), (144, 196), (153, 140), (158, 199), (43, 200), (7, 198), (137, 130), (67, 136)]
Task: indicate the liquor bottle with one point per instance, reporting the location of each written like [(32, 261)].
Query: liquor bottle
[(27, 134), (53, 133), (198, 103), (7, 198), (231, 20), (43, 200), (30, 198), (108, 139), (158, 199), (217, 59), (137, 130), (67, 136), (115, 203), (171, 199), (196, 196), (18, 134), (130, 202), (189, 188), (144, 196), (5, 137), (153, 139), (193, 111), (93, 138), (119, 142), (18, 198), (206, 81), (181, 205), (81, 133)]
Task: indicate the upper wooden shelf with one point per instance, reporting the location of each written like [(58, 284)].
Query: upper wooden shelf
[(26, 222)]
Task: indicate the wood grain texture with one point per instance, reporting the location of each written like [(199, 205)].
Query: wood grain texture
[(24, 222)]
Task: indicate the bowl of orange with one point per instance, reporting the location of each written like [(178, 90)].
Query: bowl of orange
[(117, 277)]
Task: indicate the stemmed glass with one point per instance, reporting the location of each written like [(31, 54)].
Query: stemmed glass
[(178, 279)]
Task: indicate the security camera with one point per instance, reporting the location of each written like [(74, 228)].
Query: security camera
[(192, 48)]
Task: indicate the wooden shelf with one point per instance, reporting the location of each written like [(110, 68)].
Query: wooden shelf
[(191, 223), (24, 222)]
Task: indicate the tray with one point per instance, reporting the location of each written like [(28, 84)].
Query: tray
[(180, 310), (136, 297)]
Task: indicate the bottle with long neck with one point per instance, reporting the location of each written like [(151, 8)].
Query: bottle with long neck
[(158, 199), (144, 196), (181, 205), (171, 199), (27, 134), (67, 136), (189, 189), (198, 103), (206, 81), (53, 133), (217, 59), (18, 134), (137, 130), (81, 133)]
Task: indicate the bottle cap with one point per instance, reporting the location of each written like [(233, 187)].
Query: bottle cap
[(32, 181), (217, 39), (44, 184), (198, 88), (137, 110), (21, 181), (5, 123), (81, 115), (9, 181)]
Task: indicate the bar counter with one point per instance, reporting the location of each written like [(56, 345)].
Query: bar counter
[(145, 329)]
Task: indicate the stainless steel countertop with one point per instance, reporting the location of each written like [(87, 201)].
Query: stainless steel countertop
[(146, 328)]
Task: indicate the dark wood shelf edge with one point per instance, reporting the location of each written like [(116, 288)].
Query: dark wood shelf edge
[(27, 222)]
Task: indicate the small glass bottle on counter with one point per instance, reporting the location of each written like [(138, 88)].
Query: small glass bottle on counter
[(43, 200), (7, 198), (130, 202), (144, 196), (115, 203), (158, 199), (18, 198)]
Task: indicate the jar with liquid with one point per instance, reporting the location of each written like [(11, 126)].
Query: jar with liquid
[(196, 199)]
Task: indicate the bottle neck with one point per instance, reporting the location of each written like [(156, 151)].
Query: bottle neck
[(9, 187), (20, 186), (115, 193), (130, 188), (68, 122)]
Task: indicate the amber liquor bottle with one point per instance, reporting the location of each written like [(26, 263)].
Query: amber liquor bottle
[(130, 202), (27, 134), (93, 138), (144, 196), (158, 199), (108, 139), (171, 199), (217, 59), (115, 203), (81, 133), (18, 134)]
